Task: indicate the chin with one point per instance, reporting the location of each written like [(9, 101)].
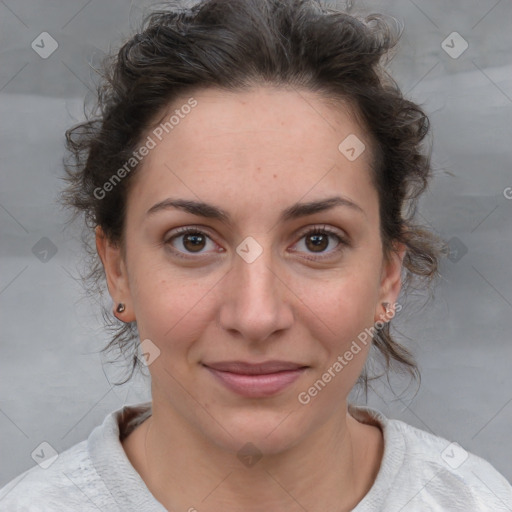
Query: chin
[(268, 432)]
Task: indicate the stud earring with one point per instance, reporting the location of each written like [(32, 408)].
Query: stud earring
[(120, 307), (387, 307)]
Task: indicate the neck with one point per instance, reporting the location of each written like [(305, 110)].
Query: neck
[(332, 469)]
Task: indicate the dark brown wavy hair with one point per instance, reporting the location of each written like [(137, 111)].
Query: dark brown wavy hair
[(237, 45)]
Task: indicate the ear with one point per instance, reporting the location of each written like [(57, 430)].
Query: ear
[(391, 282), (117, 277)]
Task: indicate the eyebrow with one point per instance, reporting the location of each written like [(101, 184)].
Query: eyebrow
[(295, 211)]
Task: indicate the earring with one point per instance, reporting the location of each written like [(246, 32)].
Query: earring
[(387, 307), (120, 308)]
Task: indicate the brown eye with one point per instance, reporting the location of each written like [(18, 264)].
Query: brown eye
[(190, 240), (322, 241), (194, 242), (317, 242)]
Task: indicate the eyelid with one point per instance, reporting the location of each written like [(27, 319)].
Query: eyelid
[(323, 227), (186, 229)]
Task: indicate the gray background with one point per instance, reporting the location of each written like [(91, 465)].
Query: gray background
[(54, 386)]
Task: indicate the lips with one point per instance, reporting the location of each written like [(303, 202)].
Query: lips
[(256, 380), (245, 368)]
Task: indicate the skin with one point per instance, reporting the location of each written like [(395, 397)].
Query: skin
[(253, 154)]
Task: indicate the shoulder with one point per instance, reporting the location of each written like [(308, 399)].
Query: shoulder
[(423, 471), (70, 482), (92, 475), (451, 472)]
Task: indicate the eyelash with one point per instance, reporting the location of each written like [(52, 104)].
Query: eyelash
[(317, 230)]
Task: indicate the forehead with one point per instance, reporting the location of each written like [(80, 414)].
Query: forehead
[(267, 141), (275, 115)]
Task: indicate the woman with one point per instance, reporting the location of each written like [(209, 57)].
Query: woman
[(252, 181)]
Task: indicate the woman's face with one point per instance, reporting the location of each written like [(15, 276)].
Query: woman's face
[(253, 286)]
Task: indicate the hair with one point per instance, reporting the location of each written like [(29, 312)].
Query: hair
[(237, 45)]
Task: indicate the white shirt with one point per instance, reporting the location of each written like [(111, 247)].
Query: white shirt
[(419, 472)]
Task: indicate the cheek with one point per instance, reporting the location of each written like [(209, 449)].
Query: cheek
[(171, 308), (342, 323), (341, 330), (341, 314), (344, 305)]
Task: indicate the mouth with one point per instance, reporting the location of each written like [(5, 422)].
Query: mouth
[(256, 380)]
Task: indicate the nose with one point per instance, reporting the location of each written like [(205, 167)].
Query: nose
[(256, 301)]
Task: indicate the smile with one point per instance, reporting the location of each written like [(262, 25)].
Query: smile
[(257, 385)]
